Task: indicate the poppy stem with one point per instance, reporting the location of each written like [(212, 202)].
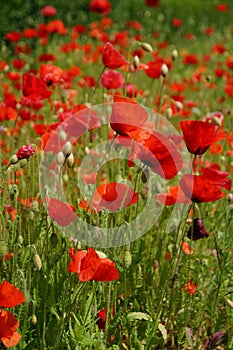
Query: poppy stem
[(97, 82)]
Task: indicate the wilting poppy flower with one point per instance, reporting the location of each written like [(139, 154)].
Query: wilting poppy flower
[(126, 116), (190, 287), (157, 151), (50, 73), (90, 267), (101, 322), (111, 79), (112, 58), (8, 326), (199, 135), (113, 196), (61, 212), (206, 187), (25, 152), (197, 230), (34, 88), (10, 295), (48, 11), (103, 7)]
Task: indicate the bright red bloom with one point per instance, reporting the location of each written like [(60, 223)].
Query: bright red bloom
[(61, 212), (50, 73), (199, 135), (34, 88), (113, 196), (176, 22), (229, 62), (222, 8), (56, 26), (103, 7), (112, 58), (154, 69), (90, 267), (48, 11), (174, 195), (14, 36), (25, 152), (111, 79), (206, 187), (190, 59), (8, 326), (126, 116), (10, 295), (190, 287), (158, 152)]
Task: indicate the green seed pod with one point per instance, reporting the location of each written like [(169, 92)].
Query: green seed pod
[(34, 320), (23, 163), (3, 249), (20, 239), (14, 159)]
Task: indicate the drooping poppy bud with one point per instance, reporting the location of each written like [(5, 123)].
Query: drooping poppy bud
[(197, 230)]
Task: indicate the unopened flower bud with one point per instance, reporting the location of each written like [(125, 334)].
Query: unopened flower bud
[(127, 259), (60, 158), (38, 262), (20, 239), (174, 54), (67, 149), (14, 159), (164, 70), (65, 178), (146, 47), (35, 206), (179, 105), (34, 319), (169, 112), (14, 191), (230, 197), (136, 62), (31, 215), (70, 160), (23, 162)]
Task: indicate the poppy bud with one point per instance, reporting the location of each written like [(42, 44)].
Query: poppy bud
[(169, 113), (164, 70), (38, 262), (70, 160), (34, 319), (127, 259), (31, 215), (14, 159), (14, 191), (20, 239), (197, 230), (230, 197), (174, 54), (23, 163), (136, 62), (60, 158), (146, 47), (35, 206), (179, 105), (67, 149)]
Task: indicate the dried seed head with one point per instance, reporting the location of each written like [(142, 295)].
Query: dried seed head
[(127, 258), (70, 160), (38, 262), (146, 47), (136, 62), (3, 249), (14, 159), (60, 158), (164, 70), (174, 54)]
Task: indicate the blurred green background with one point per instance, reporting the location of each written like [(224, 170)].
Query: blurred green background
[(195, 14)]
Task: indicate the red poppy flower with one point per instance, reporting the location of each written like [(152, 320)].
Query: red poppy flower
[(113, 196), (222, 7), (199, 135), (190, 59), (174, 195), (103, 7), (48, 11), (25, 152), (112, 58), (111, 79), (154, 69), (152, 3), (197, 230), (61, 212), (126, 116), (50, 73), (206, 187), (34, 88), (90, 267), (56, 26), (158, 152), (102, 315), (8, 326), (14, 36), (190, 287), (10, 295), (176, 22)]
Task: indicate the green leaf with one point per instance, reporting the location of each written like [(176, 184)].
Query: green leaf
[(163, 330), (139, 316)]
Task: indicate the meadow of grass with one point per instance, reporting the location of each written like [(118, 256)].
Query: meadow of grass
[(169, 288)]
